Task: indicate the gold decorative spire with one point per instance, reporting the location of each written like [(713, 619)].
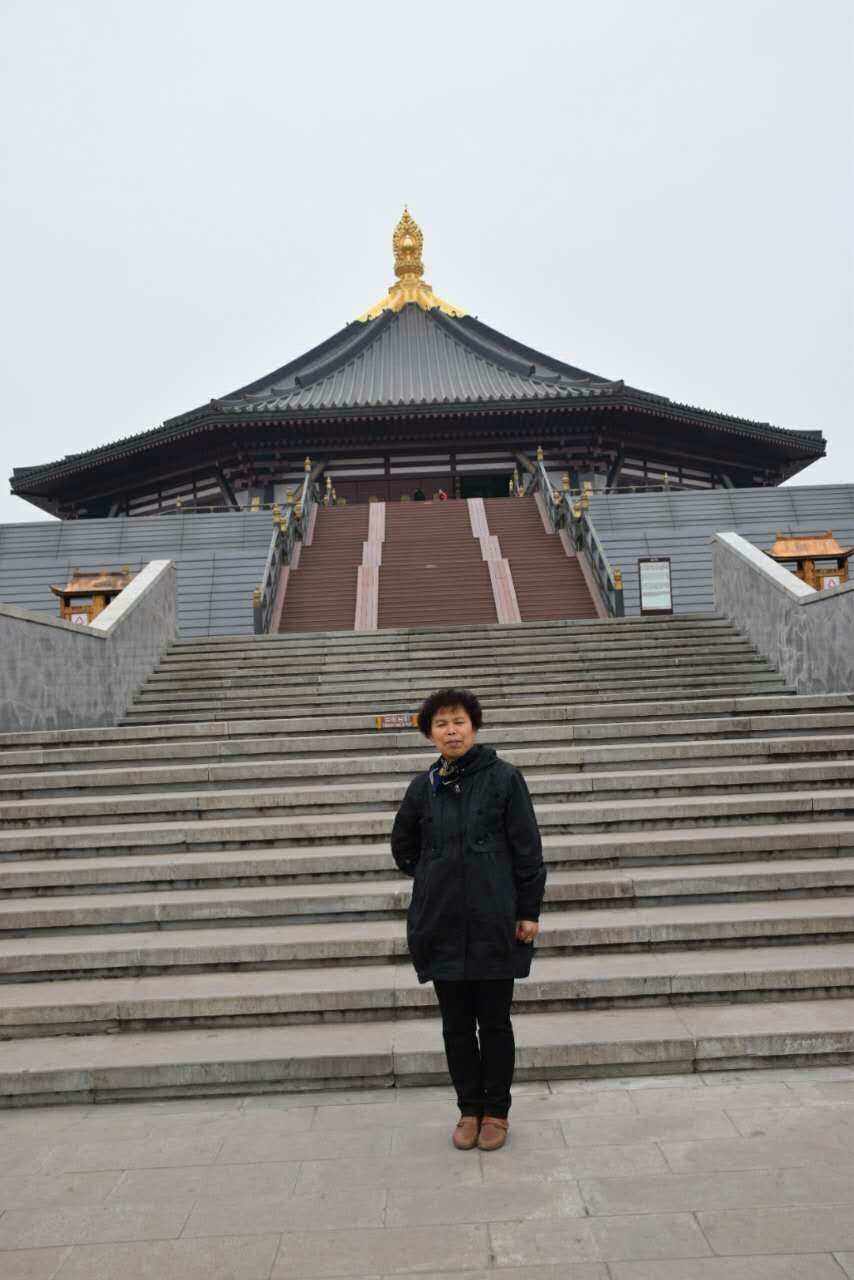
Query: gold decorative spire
[(410, 286)]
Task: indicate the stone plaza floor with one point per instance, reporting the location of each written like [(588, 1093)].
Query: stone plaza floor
[(709, 1177)]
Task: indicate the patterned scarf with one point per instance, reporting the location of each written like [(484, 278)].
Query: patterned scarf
[(447, 773)]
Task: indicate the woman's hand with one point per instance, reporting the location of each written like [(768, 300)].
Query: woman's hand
[(526, 930)]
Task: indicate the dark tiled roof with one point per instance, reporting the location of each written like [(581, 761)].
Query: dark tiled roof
[(410, 360), (414, 357)]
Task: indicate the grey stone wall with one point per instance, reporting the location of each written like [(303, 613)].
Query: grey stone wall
[(808, 635), (56, 675)]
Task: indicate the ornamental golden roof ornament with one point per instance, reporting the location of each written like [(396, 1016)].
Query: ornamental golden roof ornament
[(410, 286)]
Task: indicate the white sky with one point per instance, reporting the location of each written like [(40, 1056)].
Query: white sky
[(195, 191)]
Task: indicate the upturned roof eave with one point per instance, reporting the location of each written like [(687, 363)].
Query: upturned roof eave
[(222, 414)]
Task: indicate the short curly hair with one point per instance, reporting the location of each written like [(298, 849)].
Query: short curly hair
[(449, 698)]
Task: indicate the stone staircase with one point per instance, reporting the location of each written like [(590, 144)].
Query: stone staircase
[(220, 863), (321, 593), (549, 583)]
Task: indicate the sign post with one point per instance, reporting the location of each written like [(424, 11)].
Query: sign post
[(656, 595)]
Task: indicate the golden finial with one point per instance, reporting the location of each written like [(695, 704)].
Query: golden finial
[(408, 243), (410, 286)]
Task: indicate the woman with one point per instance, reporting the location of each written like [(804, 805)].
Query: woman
[(467, 834)]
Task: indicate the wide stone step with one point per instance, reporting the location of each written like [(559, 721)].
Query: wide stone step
[(623, 759), (264, 945), (590, 706), (541, 686), (391, 991), (359, 858), (367, 864), (312, 828), (360, 862), (499, 636), (168, 906), (351, 733), (464, 666), (277, 701), (356, 747), (549, 1045), (462, 635), (443, 670), (370, 684), (168, 800)]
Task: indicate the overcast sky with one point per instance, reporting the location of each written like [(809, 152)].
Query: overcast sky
[(196, 191)]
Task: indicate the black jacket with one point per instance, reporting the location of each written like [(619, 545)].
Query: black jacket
[(475, 854)]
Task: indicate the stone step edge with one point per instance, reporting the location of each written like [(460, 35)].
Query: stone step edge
[(388, 988), (569, 626), (304, 944), (571, 785), (616, 883), (296, 671), (729, 705), (569, 692), (806, 898), (833, 833), (603, 737), (575, 1043), (762, 753), (406, 678), (394, 986), (378, 822)]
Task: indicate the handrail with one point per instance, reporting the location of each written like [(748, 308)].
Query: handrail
[(288, 530), (554, 501), (609, 578), (563, 513)]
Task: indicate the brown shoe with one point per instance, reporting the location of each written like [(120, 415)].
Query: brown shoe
[(465, 1135), (493, 1133)]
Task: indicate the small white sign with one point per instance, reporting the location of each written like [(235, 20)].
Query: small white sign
[(655, 593), (80, 619), (830, 580)]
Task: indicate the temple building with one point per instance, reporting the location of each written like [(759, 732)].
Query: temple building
[(416, 395)]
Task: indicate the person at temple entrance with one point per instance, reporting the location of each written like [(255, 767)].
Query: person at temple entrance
[(467, 833)]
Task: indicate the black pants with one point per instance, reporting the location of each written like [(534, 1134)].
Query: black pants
[(482, 1072)]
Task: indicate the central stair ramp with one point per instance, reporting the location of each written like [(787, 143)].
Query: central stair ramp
[(202, 900), (433, 571)]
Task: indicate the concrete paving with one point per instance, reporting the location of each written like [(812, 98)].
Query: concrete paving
[(723, 1176)]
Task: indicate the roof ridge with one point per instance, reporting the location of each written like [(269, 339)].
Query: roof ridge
[(372, 332), (488, 335), (482, 350)]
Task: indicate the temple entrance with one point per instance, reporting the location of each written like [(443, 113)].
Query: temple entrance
[(486, 485)]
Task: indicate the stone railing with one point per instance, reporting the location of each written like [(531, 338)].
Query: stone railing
[(59, 675), (561, 514), (288, 533), (808, 635)]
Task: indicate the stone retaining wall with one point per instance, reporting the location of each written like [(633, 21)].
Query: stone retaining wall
[(58, 675), (808, 635)]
